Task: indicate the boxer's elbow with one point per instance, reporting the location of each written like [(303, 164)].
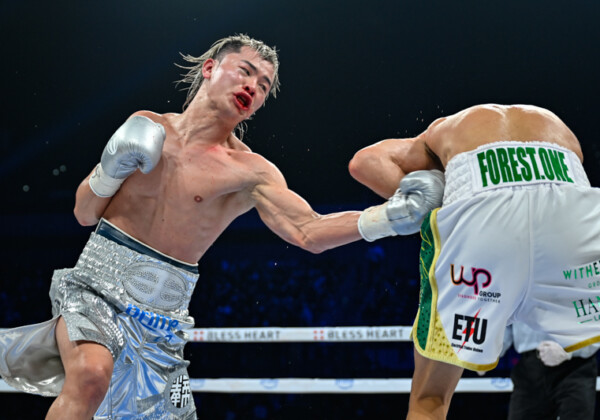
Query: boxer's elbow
[(88, 206), (84, 218), (307, 232), (86, 221), (361, 163), (354, 167), (314, 248), (307, 243)]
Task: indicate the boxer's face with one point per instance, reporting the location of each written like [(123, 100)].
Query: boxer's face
[(240, 82)]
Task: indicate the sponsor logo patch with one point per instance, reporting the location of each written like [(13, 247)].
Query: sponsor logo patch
[(589, 271), (469, 332), (503, 165), (587, 310), (480, 279)]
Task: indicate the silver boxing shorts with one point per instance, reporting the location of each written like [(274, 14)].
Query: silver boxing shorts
[(133, 300)]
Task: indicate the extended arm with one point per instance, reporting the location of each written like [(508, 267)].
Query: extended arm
[(136, 144), (293, 219)]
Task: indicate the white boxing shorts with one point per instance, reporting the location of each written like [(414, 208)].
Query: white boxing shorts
[(517, 238)]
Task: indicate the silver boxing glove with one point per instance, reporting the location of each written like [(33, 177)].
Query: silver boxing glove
[(136, 144), (419, 193)]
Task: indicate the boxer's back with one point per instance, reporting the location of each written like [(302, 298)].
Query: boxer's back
[(482, 124)]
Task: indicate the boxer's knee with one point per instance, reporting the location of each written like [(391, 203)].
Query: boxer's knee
[(89, 380)]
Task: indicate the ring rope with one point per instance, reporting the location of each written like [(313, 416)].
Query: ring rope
[(330, 386), (300, 334), (317, 385)]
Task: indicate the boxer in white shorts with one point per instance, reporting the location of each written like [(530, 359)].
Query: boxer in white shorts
[(525, 212), (517, 238)]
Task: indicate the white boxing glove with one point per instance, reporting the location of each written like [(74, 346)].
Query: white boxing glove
[(136, 144), (418, 194), (551, 353)]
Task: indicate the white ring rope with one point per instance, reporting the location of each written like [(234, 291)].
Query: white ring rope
[(330, 386), (301, 334), (317, 385)]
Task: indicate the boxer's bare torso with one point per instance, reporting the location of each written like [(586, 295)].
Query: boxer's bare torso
[(197, 189)]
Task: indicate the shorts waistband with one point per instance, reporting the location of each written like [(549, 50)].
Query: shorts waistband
[(508, 164), (113, 233)]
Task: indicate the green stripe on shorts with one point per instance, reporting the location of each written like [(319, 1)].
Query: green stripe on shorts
[(425, 260)]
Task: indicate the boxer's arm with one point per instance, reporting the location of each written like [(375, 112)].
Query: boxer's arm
[(137, 144), (290, 217), (88, 206), (381, 166)]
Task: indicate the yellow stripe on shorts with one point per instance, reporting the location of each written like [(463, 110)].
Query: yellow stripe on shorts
[(428, 333)]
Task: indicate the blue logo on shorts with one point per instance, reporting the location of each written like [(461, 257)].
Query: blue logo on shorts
[(151, 319)]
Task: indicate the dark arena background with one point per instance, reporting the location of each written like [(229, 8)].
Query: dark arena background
[(352, 72)]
